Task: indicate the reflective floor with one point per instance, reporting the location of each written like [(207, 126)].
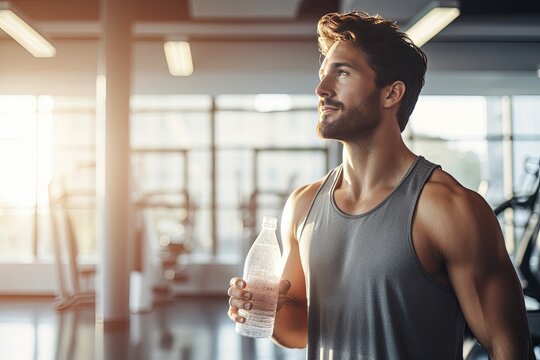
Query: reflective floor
[(186, 329)]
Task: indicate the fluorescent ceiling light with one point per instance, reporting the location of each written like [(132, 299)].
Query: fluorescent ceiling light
[(23, 33), (431, 20), (178, 55)]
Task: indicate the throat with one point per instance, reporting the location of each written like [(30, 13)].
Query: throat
[(357, 205)]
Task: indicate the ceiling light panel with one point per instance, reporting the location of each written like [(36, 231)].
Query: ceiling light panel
[(15, 26)]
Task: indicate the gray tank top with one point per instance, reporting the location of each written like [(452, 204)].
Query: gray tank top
[(368, 295)]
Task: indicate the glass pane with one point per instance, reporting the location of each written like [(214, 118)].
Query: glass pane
[(84, 225), (18, 180), (524, 150), (75, 130), (202, 238), (235, 174), (16, 234), (525, 115), (231, 242), (526, 162), (495, 176), (281, 171), (75, 170), (494, 116), (251, 129), (199, 178), (170, 130), (142, 103), (464, 160), (262, 102), (155, 172), (45, 236), (450, 117), (74, 104), (17, 117)]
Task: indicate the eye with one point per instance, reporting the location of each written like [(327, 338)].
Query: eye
[(342, 73)]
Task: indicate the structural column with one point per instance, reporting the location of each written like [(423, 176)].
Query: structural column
[(113, 162)]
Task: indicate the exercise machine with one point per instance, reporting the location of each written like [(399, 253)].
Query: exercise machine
[(75, 281)]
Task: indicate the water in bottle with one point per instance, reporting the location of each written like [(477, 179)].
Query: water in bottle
[(262, 273)]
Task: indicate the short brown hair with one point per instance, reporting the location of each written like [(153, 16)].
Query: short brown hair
[(390, 52)]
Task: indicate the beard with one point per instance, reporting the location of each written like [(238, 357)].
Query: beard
[(352, 123)]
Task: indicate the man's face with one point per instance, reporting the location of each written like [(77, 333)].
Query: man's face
[(349, 101)]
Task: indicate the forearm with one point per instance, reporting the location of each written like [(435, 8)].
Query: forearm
[(509, 350), (290, 328)]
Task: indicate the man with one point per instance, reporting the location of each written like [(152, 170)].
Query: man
[(388, 255)]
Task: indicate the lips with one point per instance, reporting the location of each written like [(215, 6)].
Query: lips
[(326, 108), (328, 105)]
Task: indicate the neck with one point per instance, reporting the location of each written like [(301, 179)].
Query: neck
[(375, 163)]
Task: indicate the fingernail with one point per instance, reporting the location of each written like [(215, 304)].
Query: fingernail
[(247, 296), (247, 306), (240, 283), (242, 320)]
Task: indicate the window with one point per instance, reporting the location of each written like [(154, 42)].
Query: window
[(266, 146), (208, 168), (467, 136), (451, 131)]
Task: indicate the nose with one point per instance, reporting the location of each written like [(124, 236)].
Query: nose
[(324, 89)]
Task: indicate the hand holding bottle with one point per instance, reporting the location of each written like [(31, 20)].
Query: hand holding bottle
[(239, 297), (259, 287)]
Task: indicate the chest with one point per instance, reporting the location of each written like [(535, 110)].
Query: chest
[(338, 251)]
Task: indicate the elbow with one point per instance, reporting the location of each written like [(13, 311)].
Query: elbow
[(290, 342), (290, 327)]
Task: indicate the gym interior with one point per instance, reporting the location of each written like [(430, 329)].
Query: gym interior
[(131, 189)]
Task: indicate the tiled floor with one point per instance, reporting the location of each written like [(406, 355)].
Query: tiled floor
[(185, 329)]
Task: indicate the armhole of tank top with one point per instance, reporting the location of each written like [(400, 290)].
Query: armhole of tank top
[(421, 268), (327, 177)]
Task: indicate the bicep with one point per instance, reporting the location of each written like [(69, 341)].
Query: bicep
[(482, 275), (291, 260)]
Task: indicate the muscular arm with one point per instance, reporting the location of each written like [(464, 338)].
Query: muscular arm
[(471, 246), (290, 328)]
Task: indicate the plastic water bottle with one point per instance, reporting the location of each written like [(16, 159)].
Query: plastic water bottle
[(262, 273)]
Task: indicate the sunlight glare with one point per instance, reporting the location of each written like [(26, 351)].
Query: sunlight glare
[(17, 150), (450, 117), (45, 147)]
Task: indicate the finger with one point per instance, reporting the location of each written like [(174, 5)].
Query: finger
[(237, 303), (234, 316), (284, 286), (237, 282), (239, 294)]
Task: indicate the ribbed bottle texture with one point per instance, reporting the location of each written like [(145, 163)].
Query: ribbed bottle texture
[(262, 272)]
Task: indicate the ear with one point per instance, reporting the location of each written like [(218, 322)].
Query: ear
[(393, 94)]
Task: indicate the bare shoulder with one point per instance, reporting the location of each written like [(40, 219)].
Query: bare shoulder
[(454, 216), (297, 206), (444, 193)]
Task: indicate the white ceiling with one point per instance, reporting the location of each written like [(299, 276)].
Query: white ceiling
[(250, 46)]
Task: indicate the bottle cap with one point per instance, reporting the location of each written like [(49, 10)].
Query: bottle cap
[(269, 222)]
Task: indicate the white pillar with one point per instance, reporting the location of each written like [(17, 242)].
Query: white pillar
[(113, 162)]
